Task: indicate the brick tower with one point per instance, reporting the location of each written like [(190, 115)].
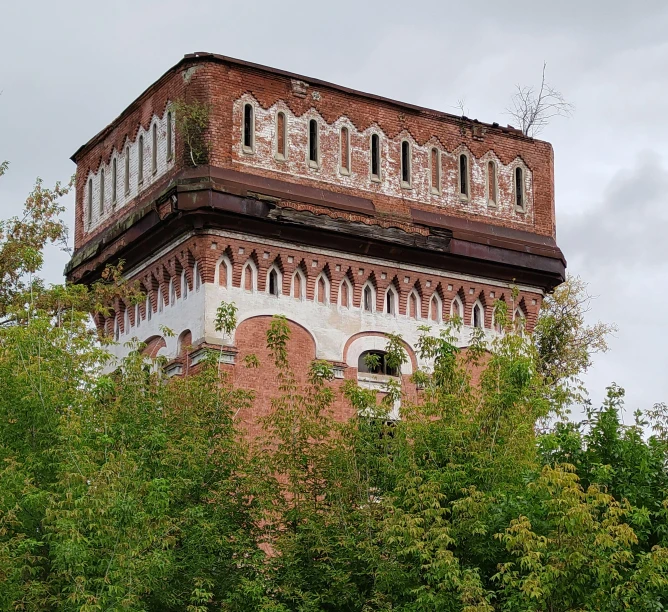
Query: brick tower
[(351, 214)]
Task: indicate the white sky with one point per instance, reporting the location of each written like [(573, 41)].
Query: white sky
[(70, 67)]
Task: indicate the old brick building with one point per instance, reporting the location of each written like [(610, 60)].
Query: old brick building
[(351, 214)]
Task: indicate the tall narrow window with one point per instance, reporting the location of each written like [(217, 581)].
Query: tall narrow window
[(248, 128), (184, 285), (154, 149), (435, 308), (149, 308), (281, 136), (463, 176), (390, 302), (313, 143), (172, 292), (90, 201), (345, 151), (102, 191), (298, 286), (273, 283), (478, 320), (140, 160), (368, 299), (412, 306), (456, 309), (114, 180), (375, 157), (405, 163), (137, 315), (519, 189), (161, 300), (491, 184), (322, 290), (197, 276), (127, 170), (169, 135), (344, 295), (435, 170)]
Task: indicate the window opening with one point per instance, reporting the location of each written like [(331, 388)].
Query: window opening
[(491, 182), (375, 362), (313, 142), (345, 150), (435, 170), (519, 188), (248, 127), (375, 156), (368, 299), (463, 175), (406, 162), (273, 283), (281, 136)]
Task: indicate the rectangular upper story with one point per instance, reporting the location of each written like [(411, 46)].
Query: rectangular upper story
[(265, 123)]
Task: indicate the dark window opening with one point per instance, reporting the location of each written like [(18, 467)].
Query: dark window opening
[(405, 162), (375, 362), (313, 141), (273, 282), (389, 303), (477, 316), (519, 188), (463, 175), (375, 156), (368, 299), (248, 126)]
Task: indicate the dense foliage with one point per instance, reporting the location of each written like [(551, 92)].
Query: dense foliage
[(131, 491)]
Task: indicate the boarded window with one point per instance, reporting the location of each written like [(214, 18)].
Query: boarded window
[(345, 150), (519, 188), (456, 309), (248, 278), (491, 183), (313, 142), (434, 309), (406, 162), (222, 273), (297, 286), (281, 136), (463, 175), (375, 156), (345, 295), (435, 170), (248, 127), (412, 306), (154, 149), (169, 136)]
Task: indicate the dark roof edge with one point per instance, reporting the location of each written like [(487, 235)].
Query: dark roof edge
[(203, 55)]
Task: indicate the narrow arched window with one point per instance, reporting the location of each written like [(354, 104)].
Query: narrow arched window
[(405, 163), (519, 188), (117, 330), (298, 283), (249, 128), (140, 160), (149, 308), (273, 283), (375, 157), (137, 315), (127, 170), (197, 276), (412, 306), (313, 152), (492, 182), (367, 298), (463, 176), (435, 170), (391, 302), (102, 191), (90, 201), (161, 300), (321, 290), (435, 308), (478, 316), (114, 180), (248, 277), (344, 294), (456, 309), (344, 163), (172, 292), (126, 321), (154, 149), (169, 136), (184, 285), (281, 136)]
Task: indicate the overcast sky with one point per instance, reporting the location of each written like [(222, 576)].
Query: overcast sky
[(70, 67)]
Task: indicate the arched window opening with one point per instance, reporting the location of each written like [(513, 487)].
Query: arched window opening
[(197, 276), (435, 170), (117, 330), (161, 300), (184, 285), (435, 308), (169, 136), (281, 136), (249, 128), (345, 292), (137, 315), (313, 152), (391, 302), (413, 306), (273, 282), (367, 299), (298, 286), (456, 308), (101, 191), (405, 163), (492, 183), (114, 181), (172, 292), (375, 157), (248, 277), (375, 362), (90, 200), (519, 188), (344, 163), (148, 308), (126, 321), (321, 290), (127, 171), (478, 316), (140, 160), (185, 343), (463, 176), (154, 149)]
